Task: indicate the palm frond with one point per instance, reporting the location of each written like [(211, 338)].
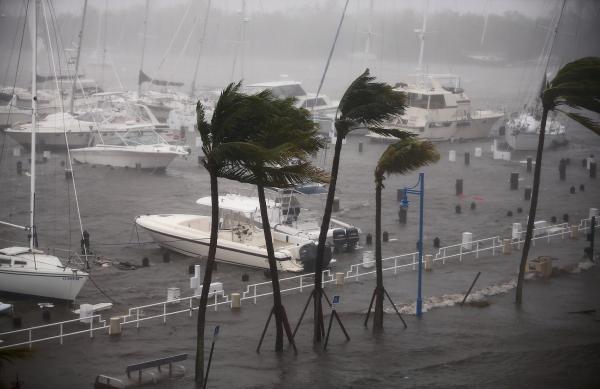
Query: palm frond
[(406, 155), (369, 102), (400, 134), (587, 68), (577, 85), (584, 121)]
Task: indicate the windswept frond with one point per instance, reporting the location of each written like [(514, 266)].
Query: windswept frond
[(400, 134), (584, 121), (406, 155), (370, 103), (576, 85)]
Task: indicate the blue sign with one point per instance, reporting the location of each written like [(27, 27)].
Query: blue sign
[(336, 300)]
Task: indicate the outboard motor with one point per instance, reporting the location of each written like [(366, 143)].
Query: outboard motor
[(339, 239), (352, 238), (308, 256)]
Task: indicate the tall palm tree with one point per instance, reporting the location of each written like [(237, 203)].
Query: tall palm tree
[(219, 145), (575, 92), (275, 156), (365, 103), (399, 158)]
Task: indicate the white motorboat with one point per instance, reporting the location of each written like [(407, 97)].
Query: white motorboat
[(240, 242), (109, 115), (284, 216), (26, 270), (136, 148), (522, 132)]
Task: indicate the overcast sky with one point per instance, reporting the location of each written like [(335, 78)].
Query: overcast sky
[(529, 7)]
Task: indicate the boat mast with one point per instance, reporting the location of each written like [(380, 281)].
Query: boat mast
[(421, 33), (77, 58), (369, 37), (143, 48), (34, 109), (201, 47)]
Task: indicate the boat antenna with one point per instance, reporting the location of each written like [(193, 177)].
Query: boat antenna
[(78, 56), (143, 48), (200, 49)]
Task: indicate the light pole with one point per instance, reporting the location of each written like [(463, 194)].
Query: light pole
[(404, 204)]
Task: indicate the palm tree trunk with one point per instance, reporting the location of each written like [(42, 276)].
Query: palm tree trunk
[(532, 209), (378, 316), (273, 267), (212, 250), (318, 310)]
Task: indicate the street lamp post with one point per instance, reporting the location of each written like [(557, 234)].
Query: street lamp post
[(404, 204)]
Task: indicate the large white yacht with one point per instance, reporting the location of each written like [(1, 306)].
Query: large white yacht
[(441, 112)]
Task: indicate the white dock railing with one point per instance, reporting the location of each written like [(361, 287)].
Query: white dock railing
[(164, 309)]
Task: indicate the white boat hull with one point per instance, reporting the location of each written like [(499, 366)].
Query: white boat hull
[(51, 140), (63, 285), (122, 157), (172, 232), (529, 141)]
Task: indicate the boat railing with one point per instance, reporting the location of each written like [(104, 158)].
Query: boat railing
[(187, 305)]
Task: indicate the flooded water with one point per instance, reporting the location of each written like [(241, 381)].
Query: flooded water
[(494, 346)]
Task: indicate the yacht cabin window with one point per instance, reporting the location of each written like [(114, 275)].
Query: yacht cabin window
[(312, 102)]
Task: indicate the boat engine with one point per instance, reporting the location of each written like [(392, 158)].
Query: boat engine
[(352, 238), (308, 256), (339, 239)]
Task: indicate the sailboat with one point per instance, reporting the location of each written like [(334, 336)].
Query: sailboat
[(27, 270), (522, 129)]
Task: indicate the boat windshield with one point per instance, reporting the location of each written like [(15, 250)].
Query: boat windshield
[(133, 138), (312, 102)]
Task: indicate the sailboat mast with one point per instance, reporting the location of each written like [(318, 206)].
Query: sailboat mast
[(77, 58), (143, 48), (369, 37), (34, 109), (202, 38), (422, 32)]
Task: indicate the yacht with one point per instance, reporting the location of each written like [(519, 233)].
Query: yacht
[(240, 242), (108, 115), (141, 148), (439, 110)]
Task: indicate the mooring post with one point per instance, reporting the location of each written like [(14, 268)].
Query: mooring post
[(469, 291)]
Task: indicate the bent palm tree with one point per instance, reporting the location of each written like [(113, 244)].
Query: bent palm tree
[(399, 158), (274, 156), (369, 104), (219, 148), (575, 88)]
